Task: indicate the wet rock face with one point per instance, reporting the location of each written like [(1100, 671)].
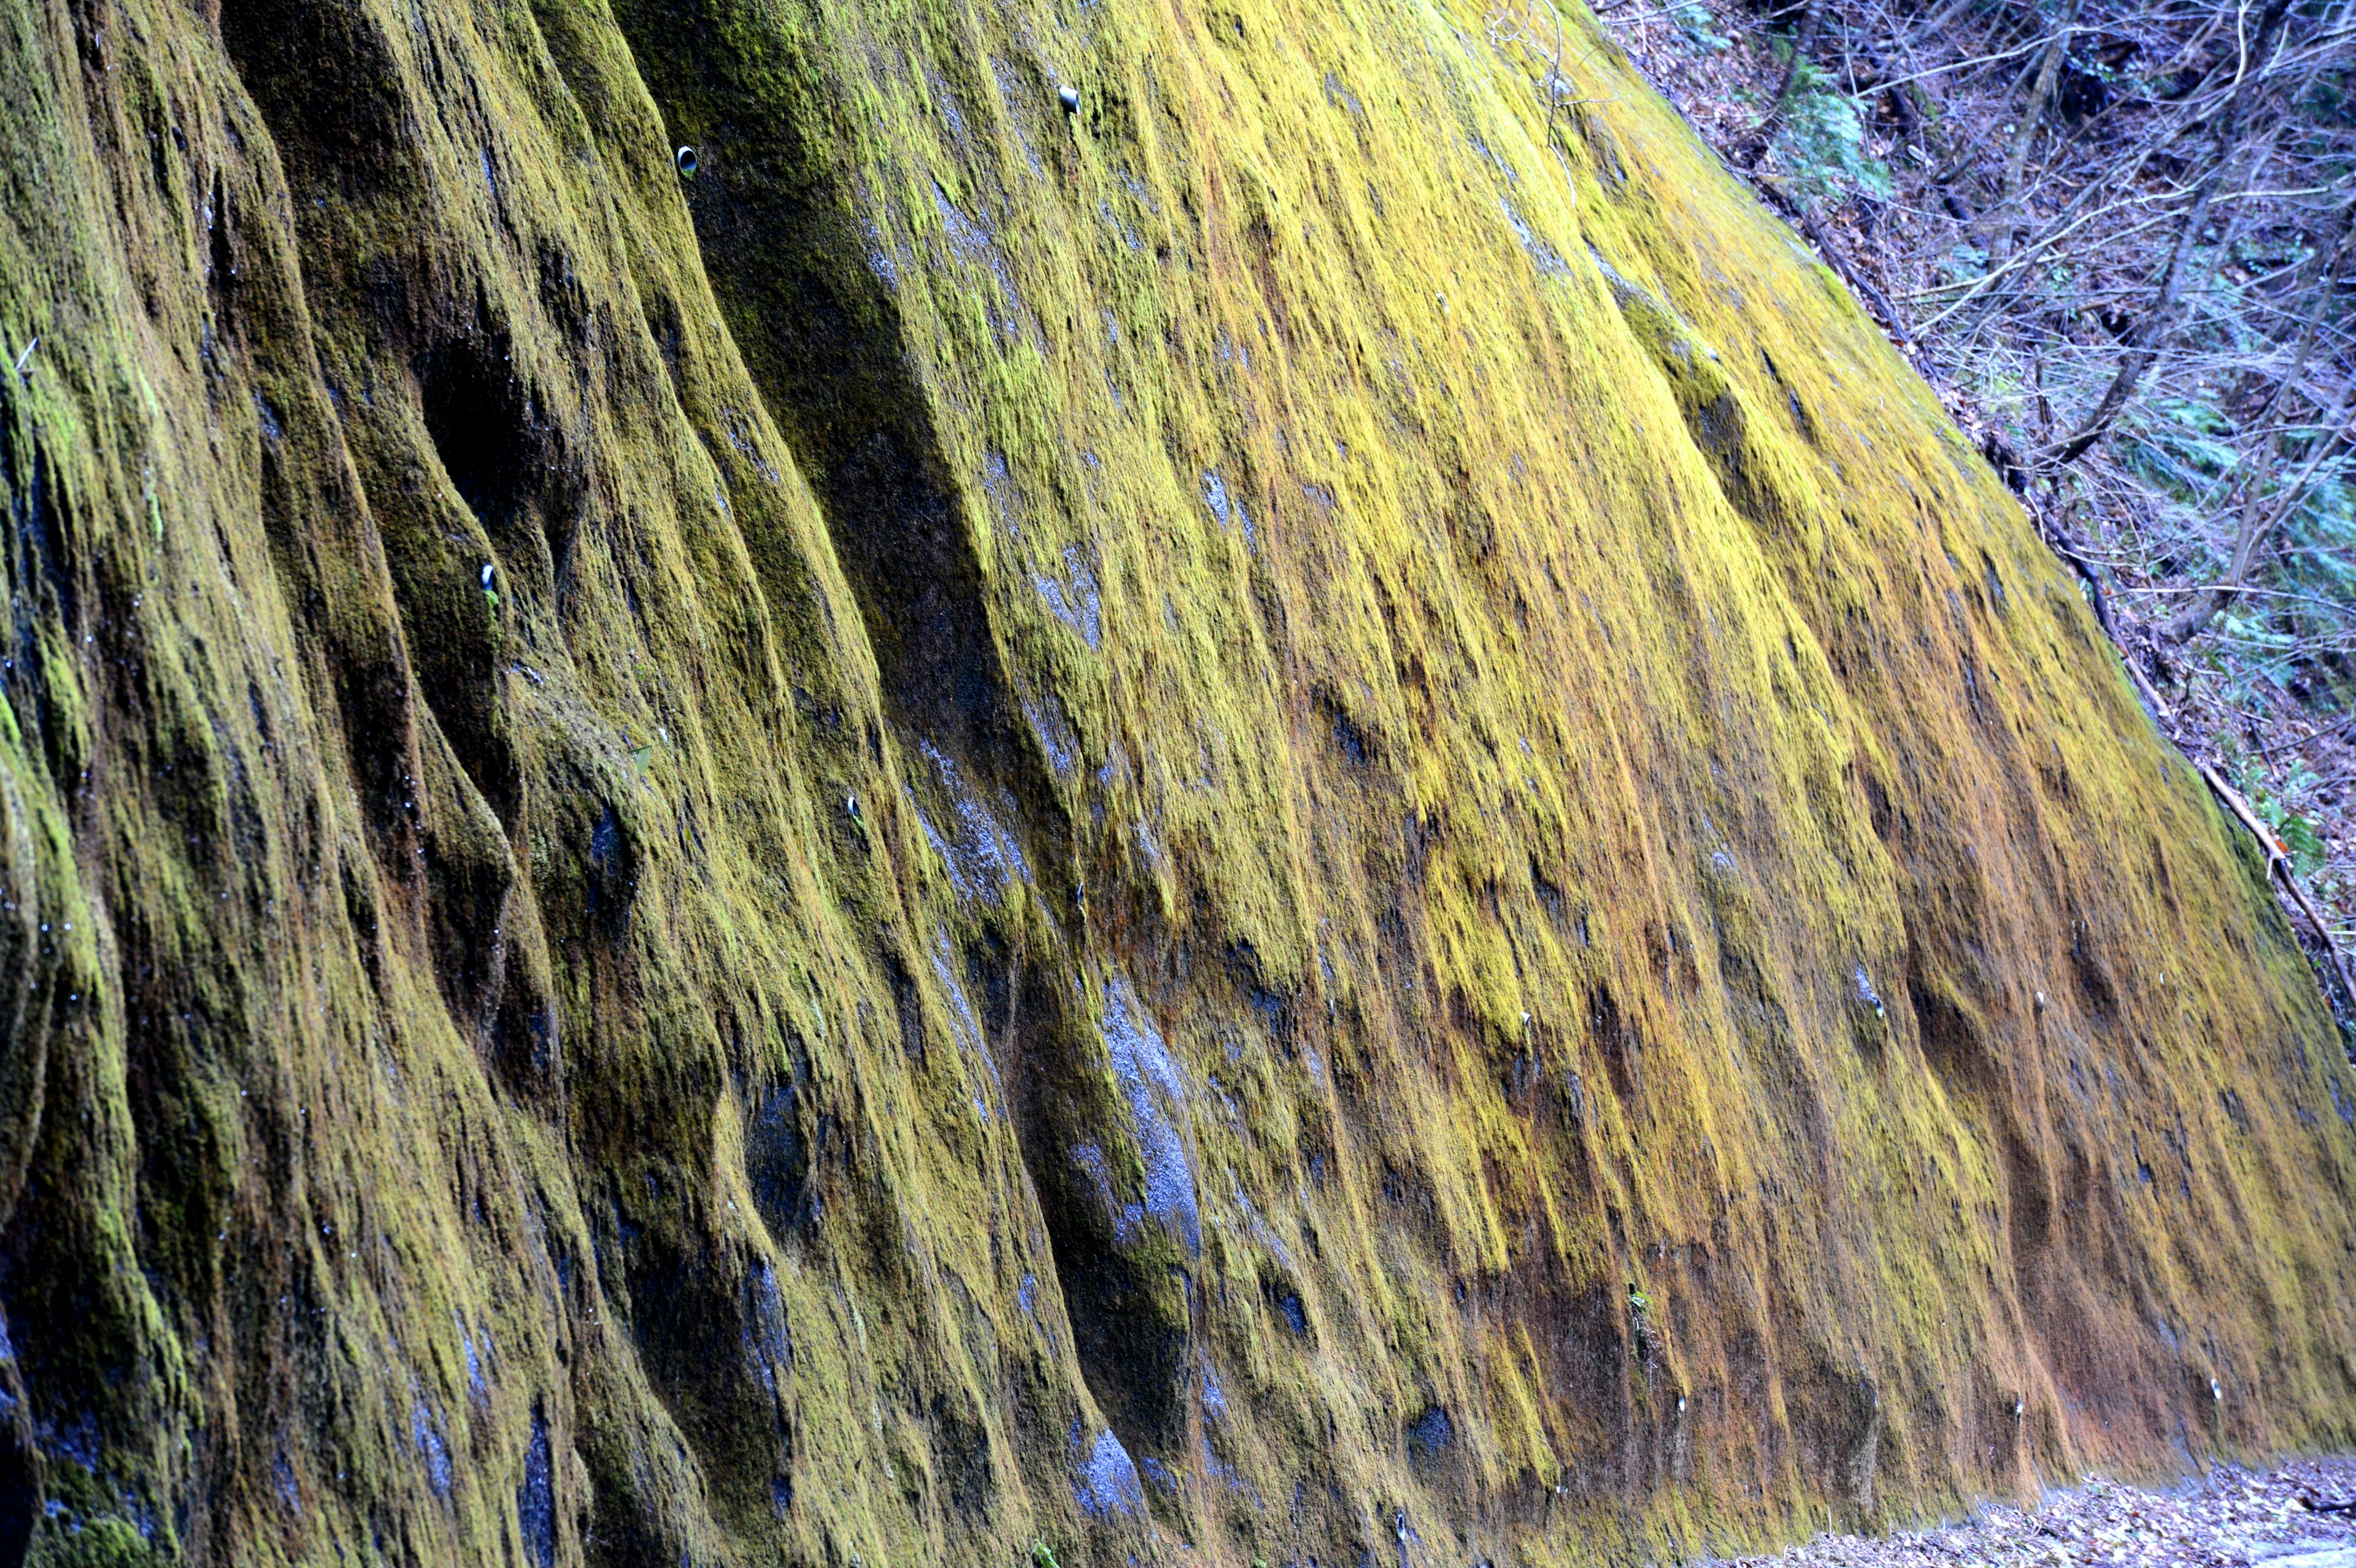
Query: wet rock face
[(1270, 812), (1126, 1226)]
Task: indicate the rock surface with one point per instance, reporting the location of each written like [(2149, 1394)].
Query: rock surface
[(1302, 816)]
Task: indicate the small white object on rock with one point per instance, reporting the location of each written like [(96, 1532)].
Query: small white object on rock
[(686, 161), (1069, 97)]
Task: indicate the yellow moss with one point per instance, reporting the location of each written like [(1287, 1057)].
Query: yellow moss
[(1412, 669)]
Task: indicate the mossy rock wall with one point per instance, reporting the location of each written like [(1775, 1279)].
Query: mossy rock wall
[(1295, 819)]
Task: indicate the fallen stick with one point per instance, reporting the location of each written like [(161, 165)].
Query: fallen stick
[(1862, 285), (2150, 694), (2278, 862), (2058, 539)]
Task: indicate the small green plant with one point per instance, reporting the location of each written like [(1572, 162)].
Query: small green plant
[(1822, 147), (2293, 830), (1695, 21), (1643, 1344), (1041, 1557)]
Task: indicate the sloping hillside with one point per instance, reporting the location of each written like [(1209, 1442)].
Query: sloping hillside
[(1285, 819)]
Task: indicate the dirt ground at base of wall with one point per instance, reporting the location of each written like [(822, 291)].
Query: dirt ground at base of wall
[(2288, 1517)]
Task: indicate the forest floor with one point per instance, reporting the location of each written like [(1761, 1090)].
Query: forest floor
[(2231, 1518)]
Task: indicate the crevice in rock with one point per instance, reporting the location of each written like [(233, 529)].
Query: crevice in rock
[(478, 415), (821, 332), (329, 86), (820, 327), (1125, 1273)]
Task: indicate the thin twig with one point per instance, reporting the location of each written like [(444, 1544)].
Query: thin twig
[(2297, 740)]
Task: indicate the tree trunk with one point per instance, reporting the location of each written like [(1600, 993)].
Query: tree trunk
[(1801, 44), (2032, 117), (2321, 270), (1765, 132)]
